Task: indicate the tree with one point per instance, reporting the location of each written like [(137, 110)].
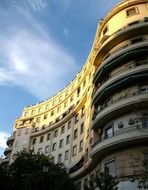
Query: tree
[(31, 171), (4, 177), (102, 181)]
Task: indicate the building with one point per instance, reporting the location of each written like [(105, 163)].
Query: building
[(100, 119)]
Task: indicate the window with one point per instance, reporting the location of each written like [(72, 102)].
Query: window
[(71, 98), (131, 121), (41, 139), (38, 119), (110, 168), (74, 152), (144, 88), (81, 128), (54, 146), (46, 149), (34, 141), (66, 155), (45, 116), (26, 114), (52, 112), (84, 83), (32, 112), (48, 136), (56, 133), (120, 125), (105, 30), (66, 94), (69, 125), (43, 127), (36, 129), (62, 129), (76, 118), (108, 132), (75, 134), (81, 146), (72, 87), (59, 109), (40, 150), (131, 11), (68, 139), (40, 109), (54, 102), (27, 131), (83, 112), (47, 106), (60, 98), (61, 143), (19, 132), (146, 161), (78, 91), (60, 158), (65, 104)]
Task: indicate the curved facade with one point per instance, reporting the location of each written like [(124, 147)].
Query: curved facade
[(100, 120)]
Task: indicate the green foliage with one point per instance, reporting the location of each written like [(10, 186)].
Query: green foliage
[(31, 171), (102, 181)]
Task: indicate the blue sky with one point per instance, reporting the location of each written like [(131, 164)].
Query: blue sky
[(43, 44)]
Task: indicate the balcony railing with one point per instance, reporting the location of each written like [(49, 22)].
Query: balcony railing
[(131, 66), (118, 106), (122, 98), (121, 137), (137, 126), (125, 33)]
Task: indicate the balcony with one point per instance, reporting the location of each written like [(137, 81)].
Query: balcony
[(119, 106), (129, 31), (125, 137), (120, 84), (10, 140), (7, 151), (119, 57), (118, 76)]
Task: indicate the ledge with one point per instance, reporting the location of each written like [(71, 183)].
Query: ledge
[(123, 138)]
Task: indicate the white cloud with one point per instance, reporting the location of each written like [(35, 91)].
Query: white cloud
[(33, 59), (37, 4), (3, 138), (36, 64)]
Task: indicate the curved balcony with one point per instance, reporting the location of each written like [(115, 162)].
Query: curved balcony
[(125, 137), (82, 170), (121, 83), (7, 151), (129, 31), (119, 76), (10, 140), (119, 57), (119, 106)]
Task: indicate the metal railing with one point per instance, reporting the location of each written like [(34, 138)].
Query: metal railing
[(124, 130), (111, 102)]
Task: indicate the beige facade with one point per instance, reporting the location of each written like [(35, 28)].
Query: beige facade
[(100, 119)]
